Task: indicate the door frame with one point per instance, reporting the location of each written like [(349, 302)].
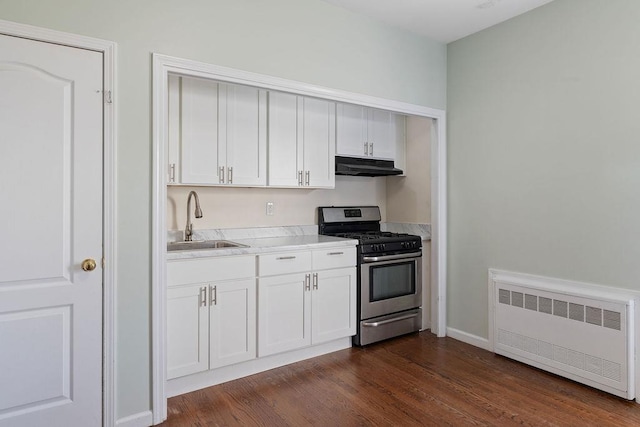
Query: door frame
[(163, 65), (108, 50)]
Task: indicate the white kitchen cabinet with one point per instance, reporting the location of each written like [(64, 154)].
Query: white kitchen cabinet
[(211, 313), (333, 304), (232, 322), (187, 330), (301, 141), (217, 133), (368, 132), (307, 306), (284, 313)]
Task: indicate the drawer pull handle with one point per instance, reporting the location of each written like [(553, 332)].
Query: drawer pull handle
[(285, 257), (335, 253)]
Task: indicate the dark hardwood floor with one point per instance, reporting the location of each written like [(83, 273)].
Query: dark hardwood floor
[(413, 380)]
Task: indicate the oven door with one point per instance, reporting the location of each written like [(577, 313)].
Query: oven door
[(390, 283)]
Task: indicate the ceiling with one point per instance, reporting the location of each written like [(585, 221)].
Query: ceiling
[(441, 20)]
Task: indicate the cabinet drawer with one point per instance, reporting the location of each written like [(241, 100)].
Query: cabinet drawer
[(200, 270), (284, 263), (334, 258)]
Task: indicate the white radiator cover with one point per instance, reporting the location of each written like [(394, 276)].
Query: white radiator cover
[(579, 331)]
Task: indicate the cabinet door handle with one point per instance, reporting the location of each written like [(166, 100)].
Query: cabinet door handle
[(221, 174), (371, 149), (366, 148), (307, 282), (285, 257), (172, 172), (335, 253), (203, 296), (299, 177), (230, 175), (315, 281), (214, 295), (307, 175)]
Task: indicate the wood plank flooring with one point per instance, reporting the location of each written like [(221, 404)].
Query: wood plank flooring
[(415, 380)]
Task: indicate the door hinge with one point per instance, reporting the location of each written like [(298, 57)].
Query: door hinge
[(107, 97)]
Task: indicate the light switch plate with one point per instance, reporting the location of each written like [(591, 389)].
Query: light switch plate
[(270, 208)]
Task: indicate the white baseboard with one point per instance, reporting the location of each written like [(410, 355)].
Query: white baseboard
[(217, 376), (469, 338), (141, 419)]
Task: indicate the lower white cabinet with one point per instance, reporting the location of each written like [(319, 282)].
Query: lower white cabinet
[(210, 323), (232, 323), (217, 315), (187, 331), (309, 307)]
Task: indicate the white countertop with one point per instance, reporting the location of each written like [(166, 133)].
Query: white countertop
[(265, 245)]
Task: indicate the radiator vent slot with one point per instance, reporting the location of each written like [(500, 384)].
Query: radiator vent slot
[(594, 316), (576, 330), (546, 305), (576, 312), (531, 302), (505, 296), (559, 308), (516, 299), (611, 320)]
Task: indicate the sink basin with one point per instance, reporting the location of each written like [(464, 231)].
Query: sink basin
[(202, 244)]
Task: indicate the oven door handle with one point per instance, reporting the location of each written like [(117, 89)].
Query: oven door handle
[(390, 257), (395, 319)]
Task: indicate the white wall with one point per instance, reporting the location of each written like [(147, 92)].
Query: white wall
[(544, 151), (409, 197), (246, 207), (304, 40)]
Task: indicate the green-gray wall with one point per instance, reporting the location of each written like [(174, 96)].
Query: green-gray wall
[(304, 40), (544, 151)]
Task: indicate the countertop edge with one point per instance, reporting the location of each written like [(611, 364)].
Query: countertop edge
[(254, 247)]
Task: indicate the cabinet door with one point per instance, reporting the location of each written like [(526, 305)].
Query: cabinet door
[(232, 326), (284, 313), (382, 134), (199, 145), (187, 330), (173, 153), (351, 130), (285, 154), (245, 134), (318, 136), (333, 304)]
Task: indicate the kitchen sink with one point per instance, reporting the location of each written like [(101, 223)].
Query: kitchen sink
[(202, 244)]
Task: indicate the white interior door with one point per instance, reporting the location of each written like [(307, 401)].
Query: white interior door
[(50, 222)]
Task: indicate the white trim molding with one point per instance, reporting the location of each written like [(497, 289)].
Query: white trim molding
[(468, 338), (108, 50), (164, 65), (142, 419)]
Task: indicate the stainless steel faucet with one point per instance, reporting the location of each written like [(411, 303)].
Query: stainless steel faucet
[(188, 231)]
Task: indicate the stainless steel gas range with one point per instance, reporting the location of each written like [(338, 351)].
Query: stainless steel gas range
[(389, 272)]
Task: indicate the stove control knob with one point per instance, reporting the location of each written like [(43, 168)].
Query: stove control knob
[(403, 245), (384, 247)]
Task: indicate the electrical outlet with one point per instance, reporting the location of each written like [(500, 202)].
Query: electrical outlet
[(270, 208)]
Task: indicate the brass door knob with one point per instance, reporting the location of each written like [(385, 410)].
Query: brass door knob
[(89, 264)]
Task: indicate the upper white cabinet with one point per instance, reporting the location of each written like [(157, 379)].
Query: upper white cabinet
[(368, 132), (301, 141), (217, 133)]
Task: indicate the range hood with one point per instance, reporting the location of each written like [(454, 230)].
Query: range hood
[(365, 167)]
